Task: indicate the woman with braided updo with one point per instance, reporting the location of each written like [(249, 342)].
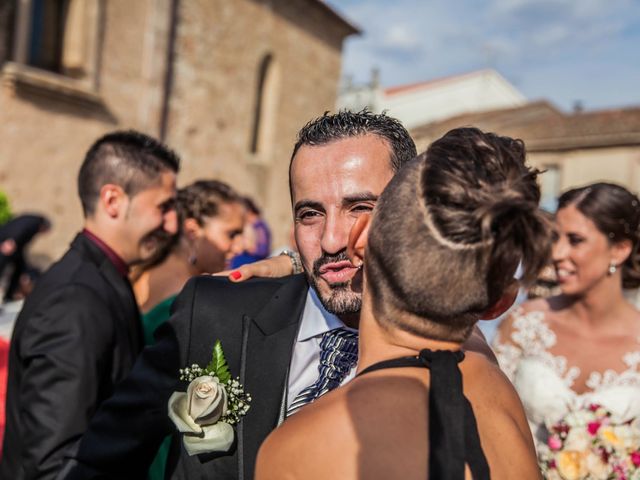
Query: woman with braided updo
[(582, 347), (444, 243)]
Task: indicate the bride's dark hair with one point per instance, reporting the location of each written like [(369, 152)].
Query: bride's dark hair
[(615, 211), (449, 232)]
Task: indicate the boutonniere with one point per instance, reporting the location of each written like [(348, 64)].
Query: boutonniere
[(212, 404)]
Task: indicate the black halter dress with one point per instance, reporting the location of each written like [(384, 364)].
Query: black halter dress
[(453, 432)]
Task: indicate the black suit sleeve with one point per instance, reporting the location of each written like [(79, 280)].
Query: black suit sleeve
[(128, 428), (62, 349)]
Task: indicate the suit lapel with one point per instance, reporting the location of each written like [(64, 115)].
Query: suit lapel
[(270, 338), (128, 308), (126, 305)]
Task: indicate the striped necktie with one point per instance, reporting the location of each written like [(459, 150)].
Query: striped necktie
[(338, 354)]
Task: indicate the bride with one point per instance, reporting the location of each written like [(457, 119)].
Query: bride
[(581, 347)]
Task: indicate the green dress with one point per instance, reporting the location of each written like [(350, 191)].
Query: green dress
[(150, 321)]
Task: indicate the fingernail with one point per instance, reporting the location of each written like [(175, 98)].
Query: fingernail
[(236, 275)]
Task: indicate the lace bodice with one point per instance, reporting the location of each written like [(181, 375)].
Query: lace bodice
[(544, 381)]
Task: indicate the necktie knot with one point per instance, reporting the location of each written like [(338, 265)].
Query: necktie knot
[(338, 355)]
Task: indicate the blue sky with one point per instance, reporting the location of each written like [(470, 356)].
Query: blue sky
[(561, 50)]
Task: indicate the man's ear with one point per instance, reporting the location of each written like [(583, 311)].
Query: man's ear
[(503, 304), (113, 200), (357, 242)]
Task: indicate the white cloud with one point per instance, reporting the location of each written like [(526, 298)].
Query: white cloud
[(413, 40), (400, 37)]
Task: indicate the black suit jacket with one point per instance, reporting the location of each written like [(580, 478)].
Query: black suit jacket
[(77, 336), (257, 322)]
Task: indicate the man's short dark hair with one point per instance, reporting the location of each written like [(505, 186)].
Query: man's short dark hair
[(130, 159), (347, 124)]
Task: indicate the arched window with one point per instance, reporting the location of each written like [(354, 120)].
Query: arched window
[(264, 120)]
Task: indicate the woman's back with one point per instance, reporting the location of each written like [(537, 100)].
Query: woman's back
[(377, 427)]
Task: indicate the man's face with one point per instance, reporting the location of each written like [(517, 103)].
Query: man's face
[(149, 211), (332, 185)]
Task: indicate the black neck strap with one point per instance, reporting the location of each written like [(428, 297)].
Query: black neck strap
[(453, 432)]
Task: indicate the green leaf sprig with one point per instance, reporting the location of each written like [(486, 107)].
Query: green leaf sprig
[(218, 366)]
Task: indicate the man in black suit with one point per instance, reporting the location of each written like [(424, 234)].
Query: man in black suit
[(79, 333), (271, 330)]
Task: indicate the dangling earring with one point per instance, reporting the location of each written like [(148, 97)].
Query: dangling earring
[(612, 268), (192, 257)]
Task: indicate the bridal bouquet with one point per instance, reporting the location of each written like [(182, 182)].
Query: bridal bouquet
[(588, 445)]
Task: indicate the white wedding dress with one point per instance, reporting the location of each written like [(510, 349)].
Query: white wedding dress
[(544, 381)]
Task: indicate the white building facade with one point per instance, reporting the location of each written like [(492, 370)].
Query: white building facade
[(424, 102)]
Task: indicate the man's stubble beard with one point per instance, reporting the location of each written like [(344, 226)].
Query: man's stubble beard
[(341, 300)]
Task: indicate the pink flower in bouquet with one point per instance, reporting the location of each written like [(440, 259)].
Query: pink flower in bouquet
[(593, 427), (620, 475), (594, 407), (554, 442), (635, 458)]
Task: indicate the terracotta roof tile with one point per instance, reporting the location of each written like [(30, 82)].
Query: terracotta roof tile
[(543, 127)]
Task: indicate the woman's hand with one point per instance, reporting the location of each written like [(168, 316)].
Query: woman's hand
[(273, 267)]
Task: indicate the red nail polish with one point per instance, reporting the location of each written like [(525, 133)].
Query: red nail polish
[(236, 275)]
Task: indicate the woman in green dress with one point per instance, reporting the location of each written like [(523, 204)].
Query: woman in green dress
[(210, 216)]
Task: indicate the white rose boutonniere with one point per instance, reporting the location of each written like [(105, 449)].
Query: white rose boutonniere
[(212, 404)]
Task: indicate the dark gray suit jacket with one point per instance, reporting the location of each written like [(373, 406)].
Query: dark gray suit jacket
[(257, 322), (76, 337)]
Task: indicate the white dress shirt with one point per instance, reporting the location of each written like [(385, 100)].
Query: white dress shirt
[(315, 322)]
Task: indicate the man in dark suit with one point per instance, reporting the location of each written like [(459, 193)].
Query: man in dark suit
[(271, 330), (78, 333)]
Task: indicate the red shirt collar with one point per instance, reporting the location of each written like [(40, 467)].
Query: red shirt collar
[(117, 261)]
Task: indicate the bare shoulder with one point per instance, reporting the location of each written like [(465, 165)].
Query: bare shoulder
[(489, 390), (374, 427), (502, 422), (478, 372), (297, 448)]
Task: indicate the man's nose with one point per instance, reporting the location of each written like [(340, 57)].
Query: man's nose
[(335, 234), (170, 224)]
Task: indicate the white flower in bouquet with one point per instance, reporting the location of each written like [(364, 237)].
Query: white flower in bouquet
[(579, 418), (597, 467), (578, 440)]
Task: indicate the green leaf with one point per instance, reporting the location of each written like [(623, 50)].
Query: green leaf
[(218, 365)]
